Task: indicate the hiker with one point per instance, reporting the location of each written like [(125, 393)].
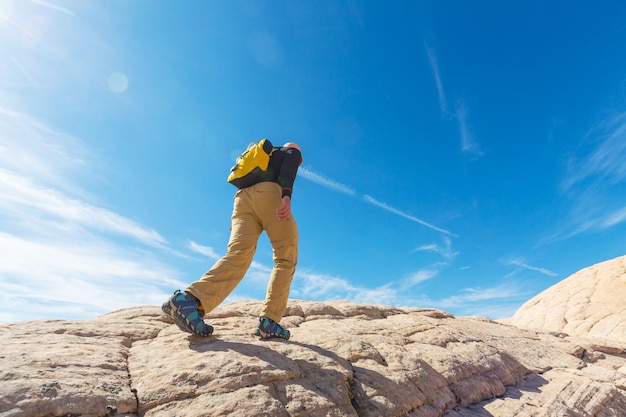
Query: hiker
[(265, 205)]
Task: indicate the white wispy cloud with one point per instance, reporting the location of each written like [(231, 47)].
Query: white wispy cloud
[(595, 180), (55, 277), (345, 189), (20, 196), (428, 248), (393, 210), (605, 161), (34, 150), (468, 144), (520, 263), (417, 278), (325, 182), (63, 254), (445, 250), (207, 251), (481, 294), (315, 286), (614, 218), (496, 302), (38, 190), (434, 65)]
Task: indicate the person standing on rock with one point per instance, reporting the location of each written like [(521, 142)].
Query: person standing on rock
[(262, 203)]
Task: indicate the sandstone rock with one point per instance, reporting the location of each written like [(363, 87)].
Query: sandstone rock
[(344, 359), (591, 303), (72, 368)]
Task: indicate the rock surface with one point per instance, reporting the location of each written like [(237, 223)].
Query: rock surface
[(343, 359), (590, 303)]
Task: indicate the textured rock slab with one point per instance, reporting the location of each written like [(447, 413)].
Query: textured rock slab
[(72, 368), (344, 359), (590, 303)]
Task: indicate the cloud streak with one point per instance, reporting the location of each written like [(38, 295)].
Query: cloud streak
[(393, 210), (36, 190), (605, 162), (595, 180), (417, 278), (445, 250), (345, 189), (520, 263), (315, 286), (468, 145), (19, 196), (63, 255), (34, 150), (494, 302), (77, 277), (434, 65), (325, 182), (615, 218), (207, 251)]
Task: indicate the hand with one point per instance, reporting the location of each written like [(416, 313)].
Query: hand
[(284, 210)]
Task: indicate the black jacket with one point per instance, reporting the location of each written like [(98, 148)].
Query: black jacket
[(283, 168)]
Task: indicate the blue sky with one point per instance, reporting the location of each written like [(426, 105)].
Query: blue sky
[(457, 155)]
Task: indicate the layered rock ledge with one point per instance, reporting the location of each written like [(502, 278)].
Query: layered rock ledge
[(344, 359)]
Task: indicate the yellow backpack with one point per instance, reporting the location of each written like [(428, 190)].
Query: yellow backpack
[(251, 164)]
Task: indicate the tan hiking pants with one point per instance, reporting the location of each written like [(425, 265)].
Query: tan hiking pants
[(254, 211)]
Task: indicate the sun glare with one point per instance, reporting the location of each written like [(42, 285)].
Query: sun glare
[(6, 9), (117, 82), (53, 7)]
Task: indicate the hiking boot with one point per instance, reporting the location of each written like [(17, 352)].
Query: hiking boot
[(268, 328), (187, 313)]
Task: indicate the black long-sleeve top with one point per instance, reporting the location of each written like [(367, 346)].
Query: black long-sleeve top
[(283, 168)]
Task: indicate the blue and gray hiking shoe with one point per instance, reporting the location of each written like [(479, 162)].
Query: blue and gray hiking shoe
[(268, 328), (187, 313)]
